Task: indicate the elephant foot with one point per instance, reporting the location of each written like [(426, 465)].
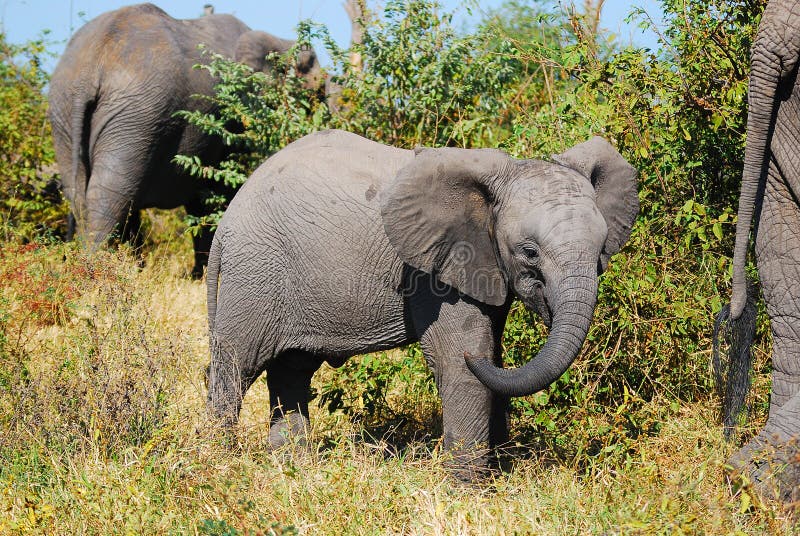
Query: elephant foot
[(772, 469), (225, 421), (291, 428), (197, 273), (471, 476), (222, 408), (472, 467)]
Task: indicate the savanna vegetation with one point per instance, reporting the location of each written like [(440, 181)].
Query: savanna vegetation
[(102, 417)]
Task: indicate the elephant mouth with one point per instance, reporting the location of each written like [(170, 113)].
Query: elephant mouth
[(537, 303)]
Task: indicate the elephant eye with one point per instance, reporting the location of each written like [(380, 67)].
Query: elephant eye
[(530, 251)]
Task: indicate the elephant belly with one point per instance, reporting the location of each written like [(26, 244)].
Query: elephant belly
[(344, 297), (314, 276), (347, 317)]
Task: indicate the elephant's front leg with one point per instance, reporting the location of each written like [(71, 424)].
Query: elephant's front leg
[(474, 419)]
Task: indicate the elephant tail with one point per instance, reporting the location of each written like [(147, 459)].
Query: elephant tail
[(212, 279), (732, 367), (79, 133)]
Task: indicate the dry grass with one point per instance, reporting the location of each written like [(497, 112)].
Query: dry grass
[(104, 430)]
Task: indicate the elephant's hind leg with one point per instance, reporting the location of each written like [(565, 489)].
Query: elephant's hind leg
[(289, 382), (778, 256), (229, 377), (108, 210), (201, 241), (239, 353), (771, 458), (115, 185)]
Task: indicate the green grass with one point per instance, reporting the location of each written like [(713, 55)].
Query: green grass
[(103, 430)]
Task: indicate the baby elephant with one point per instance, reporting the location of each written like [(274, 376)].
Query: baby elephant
[(339, 246)]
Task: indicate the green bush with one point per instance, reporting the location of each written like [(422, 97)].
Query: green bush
[(257, 114), (677, 114), (30, 202), (423, 83)]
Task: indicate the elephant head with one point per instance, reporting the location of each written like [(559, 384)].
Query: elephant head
[(488, 225), (253, 47)]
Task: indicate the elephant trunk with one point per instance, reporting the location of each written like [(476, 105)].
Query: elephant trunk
[(763, 100), (570, 324)]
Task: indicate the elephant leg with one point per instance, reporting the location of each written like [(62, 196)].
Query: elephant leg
[(114, 185), (289, 382), (772, 458), (227, 381), (778, 257), (132, 233), (106, 211), (474, 419), (202, 240), (70, 227), (202, 245), (238, 355)]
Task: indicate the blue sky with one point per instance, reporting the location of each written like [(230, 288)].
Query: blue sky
[(25, 19)]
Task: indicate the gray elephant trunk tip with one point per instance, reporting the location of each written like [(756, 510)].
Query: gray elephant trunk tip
[(521, 381), (483, 368)]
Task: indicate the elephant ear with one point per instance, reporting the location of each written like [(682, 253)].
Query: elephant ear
[(438, 213), (615, 184), (253, 47)]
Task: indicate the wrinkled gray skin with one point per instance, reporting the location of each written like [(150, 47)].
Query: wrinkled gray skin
[(112, 99), (770, 188), (328, 250)]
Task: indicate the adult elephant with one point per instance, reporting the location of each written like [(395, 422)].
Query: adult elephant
[(113, 98), (770, 188), (339, 246)]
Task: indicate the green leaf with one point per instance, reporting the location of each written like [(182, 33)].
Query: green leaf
[(717, 228)]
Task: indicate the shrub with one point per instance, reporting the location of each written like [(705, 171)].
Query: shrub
[(102, 389), (30, 200), (257, 114), (423, 83)]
